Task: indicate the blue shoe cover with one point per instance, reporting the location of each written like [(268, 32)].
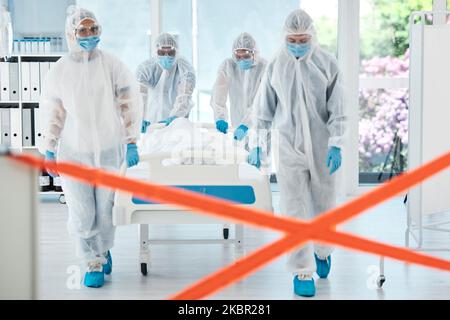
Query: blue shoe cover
[(107, 268), (304, 288), (94, 279), (323, 266)]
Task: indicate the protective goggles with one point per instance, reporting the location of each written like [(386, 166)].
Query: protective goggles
[(243, 54), (169, 51), (84, 31)]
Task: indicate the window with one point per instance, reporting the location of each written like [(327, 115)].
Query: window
[(325, 16), (206, 30), (126, 25), (177, 20), (219, 23), (383, 128)]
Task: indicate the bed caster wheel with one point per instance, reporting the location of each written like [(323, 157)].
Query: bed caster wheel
[(226, 233), (62, 199), (380, 281), (144, 269)]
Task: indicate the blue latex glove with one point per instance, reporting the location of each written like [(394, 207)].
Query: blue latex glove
[(240, 132), (254, 157), (222, 126), (50, 156), (168, 121), (145, 125), (334, 159), (132, 155)]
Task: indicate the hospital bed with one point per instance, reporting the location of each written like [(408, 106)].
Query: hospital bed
[(239, 182)]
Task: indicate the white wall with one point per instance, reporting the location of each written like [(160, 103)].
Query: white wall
[(31, 17)]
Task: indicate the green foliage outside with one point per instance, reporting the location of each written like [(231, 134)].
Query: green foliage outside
[(385, 30), (384, 35)]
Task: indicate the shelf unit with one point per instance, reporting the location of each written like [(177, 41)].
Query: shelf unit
[(22, 104)]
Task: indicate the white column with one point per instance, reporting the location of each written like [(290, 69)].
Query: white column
[(155, 21), (194, 8), (349, 61), (440, 5), (18, 230)]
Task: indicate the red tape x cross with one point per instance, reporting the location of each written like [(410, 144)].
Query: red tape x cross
[(296, 233)]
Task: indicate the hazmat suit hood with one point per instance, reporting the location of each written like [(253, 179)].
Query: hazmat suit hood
[(75, 15)]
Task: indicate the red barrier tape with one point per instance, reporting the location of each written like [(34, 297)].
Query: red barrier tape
[(322, 229)]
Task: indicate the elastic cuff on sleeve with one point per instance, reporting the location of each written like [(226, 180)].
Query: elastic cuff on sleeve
[(336, 142)]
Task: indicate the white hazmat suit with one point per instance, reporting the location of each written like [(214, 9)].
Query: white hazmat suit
[(91, 109), (166, 93), (6, 33), (303, 100), (239, 85)]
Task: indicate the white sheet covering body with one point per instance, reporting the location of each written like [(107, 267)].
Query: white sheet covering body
[(187, 143)]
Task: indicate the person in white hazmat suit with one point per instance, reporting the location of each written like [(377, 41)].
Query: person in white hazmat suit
[(6, 34), (302, 97), (91, 113), (238, 80), (167, 83)]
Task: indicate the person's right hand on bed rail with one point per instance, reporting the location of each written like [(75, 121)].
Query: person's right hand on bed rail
[(145, 125), (240, 132), (222, 126), (132, 155), (168, 121)]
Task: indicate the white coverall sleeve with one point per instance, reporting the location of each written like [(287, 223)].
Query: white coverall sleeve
[(183, 102), (220, 94), (144, 96), (266, 103), (145, 76), (247, 120), (52, 113), (335, 105), (129, 101)]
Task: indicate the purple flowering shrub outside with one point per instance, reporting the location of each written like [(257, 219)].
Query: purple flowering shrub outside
[(383, 112)]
